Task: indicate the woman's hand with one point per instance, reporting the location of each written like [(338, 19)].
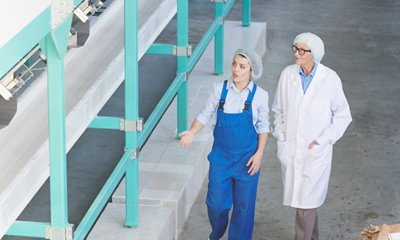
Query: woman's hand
[(254, 163), (186, 138)]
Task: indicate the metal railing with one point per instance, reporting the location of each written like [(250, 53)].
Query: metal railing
[(136, 132)]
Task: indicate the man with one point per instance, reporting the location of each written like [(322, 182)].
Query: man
[(311, 114)]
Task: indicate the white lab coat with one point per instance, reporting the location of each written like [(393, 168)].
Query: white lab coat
[(321, 114)]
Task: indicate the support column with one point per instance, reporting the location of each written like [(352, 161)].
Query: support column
[(246, 13), (182, 61), (131, 110), (219, 39), (54, 46)]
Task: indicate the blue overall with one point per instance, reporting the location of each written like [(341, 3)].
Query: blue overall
[(235, 141)]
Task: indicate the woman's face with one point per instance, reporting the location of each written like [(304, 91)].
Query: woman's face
[(241, 70), (303, 60)]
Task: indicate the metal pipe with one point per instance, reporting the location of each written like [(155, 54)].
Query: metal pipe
[(161, 107), (202, 45), (101, 200), (101, 122), (182, 41), (246, 13), (159, 48), (219, 39), (131, 109), (28, 229), (55, 45)]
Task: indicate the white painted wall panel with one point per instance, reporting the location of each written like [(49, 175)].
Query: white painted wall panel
[(17, 14)]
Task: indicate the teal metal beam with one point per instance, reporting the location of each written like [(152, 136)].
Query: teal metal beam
[(15, 49), (102, 122), (219, 39), (131, 109), (208, 36), (28, 229), (77, 2), (182, 61), (160, 109), (54, 46), (159, 48), (102, 198), (228, 5), (202, 45), (246, 13)]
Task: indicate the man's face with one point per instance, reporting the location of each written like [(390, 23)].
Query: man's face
[(306, 58)]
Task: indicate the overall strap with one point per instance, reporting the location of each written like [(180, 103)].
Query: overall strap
[(223, 95), (250, 97)]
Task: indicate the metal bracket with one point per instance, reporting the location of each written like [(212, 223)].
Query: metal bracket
[(81, 15), (182, 50), (53, 233), (134, 153), (131, 126), (186, 77), (222, 20)]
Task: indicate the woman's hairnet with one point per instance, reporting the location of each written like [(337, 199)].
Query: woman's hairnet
[(254, 60), (314, 42)]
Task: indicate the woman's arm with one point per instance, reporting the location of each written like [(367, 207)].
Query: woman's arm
[(187, 136)]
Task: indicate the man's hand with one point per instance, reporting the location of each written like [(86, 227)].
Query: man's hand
[(312, 144)]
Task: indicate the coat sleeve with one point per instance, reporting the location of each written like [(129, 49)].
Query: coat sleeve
[(279, 116), (341, 116)]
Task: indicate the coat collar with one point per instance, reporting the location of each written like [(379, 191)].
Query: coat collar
[(296, 81)]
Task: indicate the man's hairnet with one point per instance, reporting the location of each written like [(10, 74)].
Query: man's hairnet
[(254, 60), (314, 42)]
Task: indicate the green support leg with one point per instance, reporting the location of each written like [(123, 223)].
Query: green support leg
[(219, 40), (182, 60), (54, 46), (246, 13), (131, 110)]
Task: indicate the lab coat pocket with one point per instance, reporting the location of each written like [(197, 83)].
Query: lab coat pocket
[(320, 156), (282, 151)]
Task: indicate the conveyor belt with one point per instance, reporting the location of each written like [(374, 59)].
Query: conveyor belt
[(92, 74)]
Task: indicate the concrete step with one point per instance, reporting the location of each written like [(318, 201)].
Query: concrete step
[(170, 176)]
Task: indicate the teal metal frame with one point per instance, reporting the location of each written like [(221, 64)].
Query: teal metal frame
[(182, 63), (24, 41), (54, 45), (131, 111)]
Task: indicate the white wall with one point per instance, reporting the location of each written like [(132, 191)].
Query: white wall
[(17, 14)]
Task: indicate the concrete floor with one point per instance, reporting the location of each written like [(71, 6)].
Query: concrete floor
[(361, 40)]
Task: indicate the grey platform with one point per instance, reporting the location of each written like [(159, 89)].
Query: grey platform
[(171, 176)]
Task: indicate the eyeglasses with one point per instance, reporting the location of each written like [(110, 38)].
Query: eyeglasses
[(301, 50)]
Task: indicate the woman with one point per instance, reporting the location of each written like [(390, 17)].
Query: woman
[(311, 114), (240, 135)]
